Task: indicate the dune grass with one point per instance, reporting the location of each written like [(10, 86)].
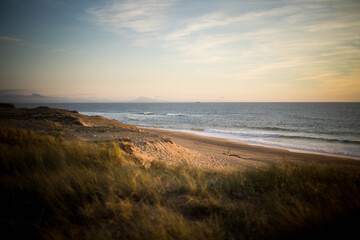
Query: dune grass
[(52, 188)]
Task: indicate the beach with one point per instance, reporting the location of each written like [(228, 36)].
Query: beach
[(151, 144), (68, 175), (323, 128), (222, 153)]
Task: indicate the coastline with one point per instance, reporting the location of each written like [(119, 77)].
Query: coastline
[(149, 144), (291, 127), (297, 150), (238, 151)]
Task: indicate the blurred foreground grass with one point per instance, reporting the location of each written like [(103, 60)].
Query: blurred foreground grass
[(52, 188)]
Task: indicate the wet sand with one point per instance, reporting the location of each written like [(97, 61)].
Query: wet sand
[(226, 153)]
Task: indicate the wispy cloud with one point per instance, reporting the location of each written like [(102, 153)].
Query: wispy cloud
[(57, 50), (276, 37), (12, 91), (45, 47), (221, 19), (141, 16), (10, 39)]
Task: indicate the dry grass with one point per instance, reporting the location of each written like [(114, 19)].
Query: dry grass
[(53, 188)]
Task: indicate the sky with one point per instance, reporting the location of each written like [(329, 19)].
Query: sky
[(181, 50)]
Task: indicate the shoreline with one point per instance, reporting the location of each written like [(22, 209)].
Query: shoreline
[(255, 144), (244, 151), (148, 144), (266, 146)]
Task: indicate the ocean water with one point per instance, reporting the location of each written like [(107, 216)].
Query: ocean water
[(327, 128)]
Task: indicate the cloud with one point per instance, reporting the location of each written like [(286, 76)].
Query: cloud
[(10, 39), (207, 38), (204, 22), (141, 16), (204, 49), (58, 50), (217, 19), (12, 91), (147, 22), (275, 32)]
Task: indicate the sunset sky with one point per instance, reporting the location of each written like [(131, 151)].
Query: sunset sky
[(181, 50)]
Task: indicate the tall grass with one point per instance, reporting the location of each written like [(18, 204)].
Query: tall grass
[(52, 188)]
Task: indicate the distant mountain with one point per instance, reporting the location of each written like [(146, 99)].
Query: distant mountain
[(36, 95), (34, 98), (38, 98), (143, 99)]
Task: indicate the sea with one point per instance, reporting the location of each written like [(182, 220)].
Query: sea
[(326, 128)]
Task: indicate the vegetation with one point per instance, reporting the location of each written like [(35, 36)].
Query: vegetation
[(52, 188), (7, 105)]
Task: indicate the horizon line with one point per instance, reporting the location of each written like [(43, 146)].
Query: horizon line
[(185, 102)]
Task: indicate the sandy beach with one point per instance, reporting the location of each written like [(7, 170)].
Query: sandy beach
[(147, 144), (222, 153)]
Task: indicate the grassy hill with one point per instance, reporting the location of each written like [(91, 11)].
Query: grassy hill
[(58, 188)]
